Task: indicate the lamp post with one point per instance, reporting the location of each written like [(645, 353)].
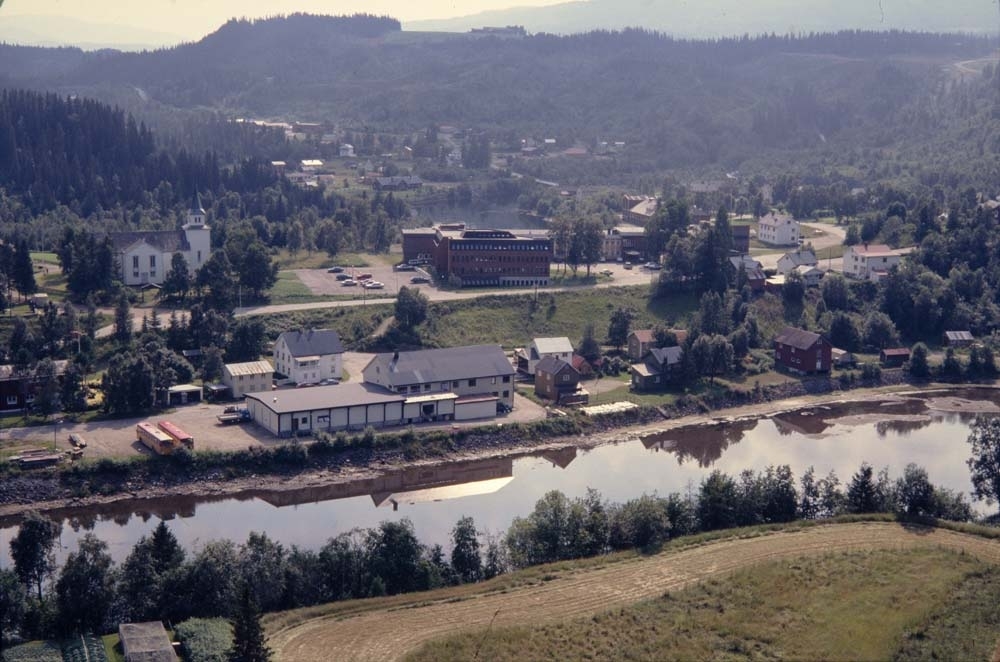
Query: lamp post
[(55, 432)]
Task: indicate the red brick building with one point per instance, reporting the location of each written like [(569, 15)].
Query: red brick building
[(802, 351), (482, 258)]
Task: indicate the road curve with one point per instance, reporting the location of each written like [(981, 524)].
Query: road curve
[(388, 635)]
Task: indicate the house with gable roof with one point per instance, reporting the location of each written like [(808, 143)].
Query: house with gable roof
[(528, 357), (308, 357), (657, 370), (145, 257), (802, 351), (474, 375), (788, 262), (559, 381)]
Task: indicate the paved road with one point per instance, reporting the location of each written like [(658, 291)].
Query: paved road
[(832, 235), (389, 634), (621, 277)]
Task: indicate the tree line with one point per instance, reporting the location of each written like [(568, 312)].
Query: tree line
[(161, 580)]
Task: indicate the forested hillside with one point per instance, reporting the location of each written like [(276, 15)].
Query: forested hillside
[(827, 100)]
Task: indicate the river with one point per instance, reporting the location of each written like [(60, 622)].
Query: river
[(928, 430)]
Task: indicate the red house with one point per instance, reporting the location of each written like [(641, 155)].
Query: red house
[(802, 351)]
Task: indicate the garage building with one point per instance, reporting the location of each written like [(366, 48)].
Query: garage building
[(356, 406)]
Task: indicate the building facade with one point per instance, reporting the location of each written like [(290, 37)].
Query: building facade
[(542, 348), (309, 357), (788, 262), (145, 257), (870, 261), (778, 230), (559, 381), (467, 372), (802, 351), (249, 377)]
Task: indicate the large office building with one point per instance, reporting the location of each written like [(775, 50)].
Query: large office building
[(482, 258)]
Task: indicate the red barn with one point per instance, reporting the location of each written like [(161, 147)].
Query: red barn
[(802, 351)]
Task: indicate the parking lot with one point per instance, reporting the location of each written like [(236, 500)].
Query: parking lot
[(118, 437), (323, 283)]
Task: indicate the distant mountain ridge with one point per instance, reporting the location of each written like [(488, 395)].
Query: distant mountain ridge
[(57, 31), (676, 103), (719, 18)]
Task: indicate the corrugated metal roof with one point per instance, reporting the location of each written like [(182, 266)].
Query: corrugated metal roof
[(442, 365), (249, 368), (324, 397)]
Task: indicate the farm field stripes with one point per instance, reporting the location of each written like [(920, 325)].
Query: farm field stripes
[(390, 634)]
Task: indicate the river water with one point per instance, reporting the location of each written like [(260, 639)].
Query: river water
[(930, 431)]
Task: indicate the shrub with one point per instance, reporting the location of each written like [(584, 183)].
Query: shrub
[(205, 639)]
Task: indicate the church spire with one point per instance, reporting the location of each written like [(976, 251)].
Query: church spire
[(196, 208)]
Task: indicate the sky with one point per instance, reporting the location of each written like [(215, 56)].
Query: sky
[(192, 19)]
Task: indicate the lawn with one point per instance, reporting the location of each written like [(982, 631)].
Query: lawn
[(321, 260), (513, 321), (845, 606), (290, 289), (43, 256)]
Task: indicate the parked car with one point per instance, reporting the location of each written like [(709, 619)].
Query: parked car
[(606, 272), (628, 265), (405, 267), (418, 280), (373, 285), (335, 270), (362, 277), (652, 266), (343, 276), (349, 283)]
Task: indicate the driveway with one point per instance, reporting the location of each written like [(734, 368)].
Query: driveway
[(830, 236)]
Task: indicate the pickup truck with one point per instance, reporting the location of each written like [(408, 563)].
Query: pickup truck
[(232, 417)]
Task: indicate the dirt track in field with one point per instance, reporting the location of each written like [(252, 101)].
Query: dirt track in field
[(388, 635)]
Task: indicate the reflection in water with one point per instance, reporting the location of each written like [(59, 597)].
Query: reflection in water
[(902, 427), (838, 438), (805, 422), (704, 443)]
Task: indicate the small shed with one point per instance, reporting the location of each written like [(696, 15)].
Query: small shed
[(183, 394), (842, 358), (894, 357), (958, 338), (146, 642)]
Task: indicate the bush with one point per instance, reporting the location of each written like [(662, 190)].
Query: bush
[(35, 651), (205, 639)]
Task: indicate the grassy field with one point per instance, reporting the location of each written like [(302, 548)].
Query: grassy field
[(290, 289), (321, 260), (515, 320), (858, 605)]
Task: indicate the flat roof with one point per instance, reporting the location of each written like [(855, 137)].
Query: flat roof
[(469, 399), (313, 398), (431, 397)]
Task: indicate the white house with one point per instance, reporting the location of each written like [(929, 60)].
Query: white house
[(478, 377), (870, 261), (790, 261), (347, 150), (249, 377), (811, 275), (778, 230), (308, 357), (540, 348), (145, 257)]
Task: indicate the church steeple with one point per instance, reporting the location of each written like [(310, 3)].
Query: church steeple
[(196, 208), (196, 215)]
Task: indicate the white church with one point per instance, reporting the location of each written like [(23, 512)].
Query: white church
[(145, 256)]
